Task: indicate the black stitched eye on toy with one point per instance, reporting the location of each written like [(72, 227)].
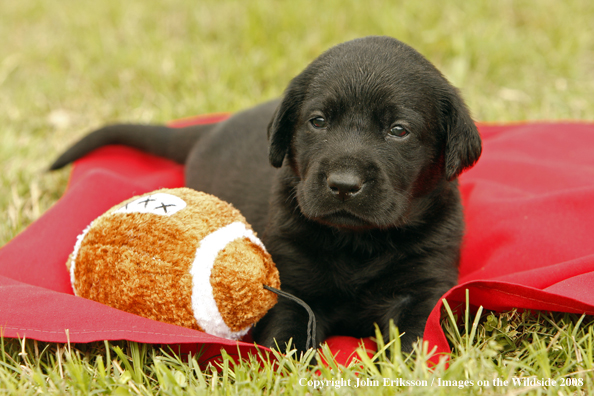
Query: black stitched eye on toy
[(398, 131), (319, 122)]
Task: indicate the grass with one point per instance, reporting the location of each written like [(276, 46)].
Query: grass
[(67, 67), (492, 354)]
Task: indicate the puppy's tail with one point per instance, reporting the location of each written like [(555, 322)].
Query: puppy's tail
[(172, 143)]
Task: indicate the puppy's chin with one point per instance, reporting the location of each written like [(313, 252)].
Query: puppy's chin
[(389, 215), (345, 220)]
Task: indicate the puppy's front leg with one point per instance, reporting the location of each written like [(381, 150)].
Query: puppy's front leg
[(285, 321), (410, 316)]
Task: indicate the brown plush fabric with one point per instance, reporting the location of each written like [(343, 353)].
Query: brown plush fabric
[(125, 264), (238, 275), (140, 262)]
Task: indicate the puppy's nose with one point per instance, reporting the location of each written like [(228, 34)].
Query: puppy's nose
[(344, 185)]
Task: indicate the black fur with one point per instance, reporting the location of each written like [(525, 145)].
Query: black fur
[(364, 226)]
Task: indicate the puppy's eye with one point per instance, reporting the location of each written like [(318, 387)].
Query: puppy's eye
[(398, 131), (319, 122)]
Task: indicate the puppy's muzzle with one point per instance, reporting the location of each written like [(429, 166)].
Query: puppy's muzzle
[(344, 185)]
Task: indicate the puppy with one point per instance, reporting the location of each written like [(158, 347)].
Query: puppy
[(351, 181)]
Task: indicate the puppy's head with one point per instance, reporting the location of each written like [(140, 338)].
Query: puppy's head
[(369, 127)]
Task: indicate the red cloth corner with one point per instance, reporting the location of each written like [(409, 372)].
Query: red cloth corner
[(529, 210), (529, 242)]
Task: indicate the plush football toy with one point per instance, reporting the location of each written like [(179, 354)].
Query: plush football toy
[(177, 256)]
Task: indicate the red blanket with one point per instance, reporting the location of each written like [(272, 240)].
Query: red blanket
[(529, 207)]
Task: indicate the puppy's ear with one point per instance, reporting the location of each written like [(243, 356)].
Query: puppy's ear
[(463, 142), (280, 130), (284, 120)]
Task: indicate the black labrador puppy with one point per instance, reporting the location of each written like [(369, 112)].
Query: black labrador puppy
[(360, 208)]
